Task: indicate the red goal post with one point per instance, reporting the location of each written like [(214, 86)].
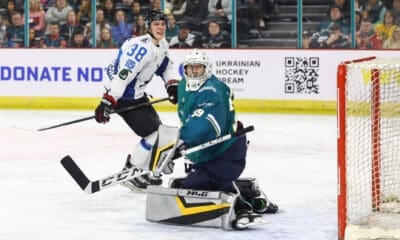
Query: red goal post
[(368, 148)]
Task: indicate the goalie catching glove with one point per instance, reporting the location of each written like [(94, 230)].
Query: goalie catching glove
[(105, 108), (154, 154)]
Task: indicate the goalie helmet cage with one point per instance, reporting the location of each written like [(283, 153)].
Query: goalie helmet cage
[(368, 144)]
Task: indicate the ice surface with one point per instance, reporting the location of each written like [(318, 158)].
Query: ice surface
[(292, 156)]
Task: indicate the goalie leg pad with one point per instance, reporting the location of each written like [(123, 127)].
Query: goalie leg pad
[(190, 207), (151, 152)]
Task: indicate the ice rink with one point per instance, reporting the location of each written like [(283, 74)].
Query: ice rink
[(292, 156)]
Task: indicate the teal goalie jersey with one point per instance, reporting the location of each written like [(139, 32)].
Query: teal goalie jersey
[(206, 114)]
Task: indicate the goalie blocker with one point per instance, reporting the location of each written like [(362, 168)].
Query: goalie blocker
[(208, 208)]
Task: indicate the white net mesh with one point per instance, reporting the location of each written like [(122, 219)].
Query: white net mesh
[(373, 143)]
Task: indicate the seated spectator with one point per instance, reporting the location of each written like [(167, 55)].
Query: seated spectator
[(109, 11), (253, 14), (336, 39), (139, 27), (345, 6), (196, 11), (387, 3), (84, 13), (359, 3), (34, 38), (323, 32), (358, 18), (68, 29), (58, 13), (20, 5), (185, 38), (366, 38), (172, 29), (136, 10), (11, 7), (106, 40), (3, 29), (175, 7), (124, 5), (156, 5), (37, 15), (221, 9), (215, 38), (373, 9), (53, 39), (15, 32), (396, 10), (47, 4), (121, 30), (394, 41), (74, 4), (385, 29), (79, 41), (100, 24)]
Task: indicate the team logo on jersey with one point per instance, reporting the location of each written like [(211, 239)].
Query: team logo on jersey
[(123, 74), (130, 64), (198, 112), (145, 40)]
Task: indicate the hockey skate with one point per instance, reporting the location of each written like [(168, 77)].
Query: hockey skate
[(263, 206), (246, 219), (253, 194), (245, 215), (139, 185)]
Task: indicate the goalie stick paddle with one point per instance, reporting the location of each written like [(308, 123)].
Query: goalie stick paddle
[(116, 111), (95, 186)]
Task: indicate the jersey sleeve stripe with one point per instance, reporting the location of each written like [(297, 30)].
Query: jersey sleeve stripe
[(215, 124)]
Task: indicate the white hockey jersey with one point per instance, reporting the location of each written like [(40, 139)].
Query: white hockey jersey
[(137, 61)]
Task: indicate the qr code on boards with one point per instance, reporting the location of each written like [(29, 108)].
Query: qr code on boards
[(301, 75)]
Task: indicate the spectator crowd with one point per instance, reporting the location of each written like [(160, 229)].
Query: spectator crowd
[(192, 23), (377, 26)]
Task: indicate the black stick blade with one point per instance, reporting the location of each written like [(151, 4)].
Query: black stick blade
[(75, 172)]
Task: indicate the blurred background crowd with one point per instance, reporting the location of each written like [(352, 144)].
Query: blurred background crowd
[(362, 24)]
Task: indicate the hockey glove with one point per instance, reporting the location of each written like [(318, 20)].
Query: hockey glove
[(169, 166), (103, 111), (143, 181), (172, 90)]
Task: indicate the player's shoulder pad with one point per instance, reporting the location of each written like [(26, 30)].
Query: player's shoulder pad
[(164, 44), (211, 86), (143, 41)]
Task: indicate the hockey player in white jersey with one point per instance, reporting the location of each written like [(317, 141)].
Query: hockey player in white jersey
[(137, 61)]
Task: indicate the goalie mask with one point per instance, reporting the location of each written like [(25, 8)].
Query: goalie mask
[(194, 78)]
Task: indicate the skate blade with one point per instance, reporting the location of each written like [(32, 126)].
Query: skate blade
[(256, 221)]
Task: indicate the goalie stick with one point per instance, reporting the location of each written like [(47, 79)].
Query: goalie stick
[(95, 186)]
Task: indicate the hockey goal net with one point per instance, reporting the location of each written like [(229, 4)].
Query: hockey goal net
[(369, 149)]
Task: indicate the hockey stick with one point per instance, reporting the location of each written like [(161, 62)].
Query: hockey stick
[(116, 111), (95, 186), (157, 172)]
